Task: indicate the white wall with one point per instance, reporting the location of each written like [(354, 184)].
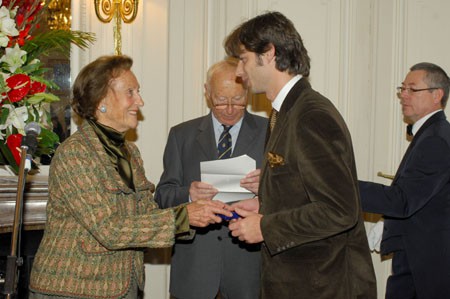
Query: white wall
[(360, 51)]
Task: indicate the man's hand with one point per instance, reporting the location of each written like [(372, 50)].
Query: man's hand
[(250, 205), (248, 228), (203, 212), (251, 181), (201, 190)]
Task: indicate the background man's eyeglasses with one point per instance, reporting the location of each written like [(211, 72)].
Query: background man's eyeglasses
[(411, 90)]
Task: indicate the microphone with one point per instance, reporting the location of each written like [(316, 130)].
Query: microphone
[(32, 131)]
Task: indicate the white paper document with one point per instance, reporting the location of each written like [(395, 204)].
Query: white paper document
[(225, 175)]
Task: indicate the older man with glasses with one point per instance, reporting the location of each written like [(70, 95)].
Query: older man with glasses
[(213, 264), (416, 207)]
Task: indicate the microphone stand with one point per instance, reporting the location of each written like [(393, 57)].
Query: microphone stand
[(14, 260)]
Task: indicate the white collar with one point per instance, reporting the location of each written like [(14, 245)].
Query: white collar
[(281, 96), (416, 126)]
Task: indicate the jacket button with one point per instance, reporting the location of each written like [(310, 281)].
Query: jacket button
[(219, 238)]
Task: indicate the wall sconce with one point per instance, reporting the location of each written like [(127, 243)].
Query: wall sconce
[(120, 10)]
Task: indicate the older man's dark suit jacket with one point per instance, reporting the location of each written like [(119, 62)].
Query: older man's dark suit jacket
[(315, 244), (199, 266), (416, 208)]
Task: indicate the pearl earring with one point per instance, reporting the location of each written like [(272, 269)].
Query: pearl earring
[(103, 109)]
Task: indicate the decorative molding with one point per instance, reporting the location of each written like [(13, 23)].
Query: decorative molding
[(345, 47), (369, 162), (187, 59), (400, 67)]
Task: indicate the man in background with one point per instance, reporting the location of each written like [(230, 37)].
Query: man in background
[(416, 207), (213, 263), (308, 215)]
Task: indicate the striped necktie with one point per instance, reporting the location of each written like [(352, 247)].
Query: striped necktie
[(224, 145), (273, 119)]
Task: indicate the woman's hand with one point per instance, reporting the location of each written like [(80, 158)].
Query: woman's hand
[(203, 212)]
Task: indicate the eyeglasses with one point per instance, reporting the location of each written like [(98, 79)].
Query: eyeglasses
[(410, 90), (225, 106), (222, 103)]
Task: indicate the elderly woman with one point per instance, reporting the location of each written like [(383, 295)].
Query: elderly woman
[(101, 214)]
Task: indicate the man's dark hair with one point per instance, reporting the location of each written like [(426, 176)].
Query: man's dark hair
[(274, 29)]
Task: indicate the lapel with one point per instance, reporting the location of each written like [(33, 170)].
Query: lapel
[(433, 119), (205, 138), (112, 180), (293, 97), (247, 135)]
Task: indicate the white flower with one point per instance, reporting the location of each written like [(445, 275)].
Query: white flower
[(14, 57), (7, 24), (17, 118), (3, 40)]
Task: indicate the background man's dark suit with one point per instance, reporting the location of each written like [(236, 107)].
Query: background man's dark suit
[(315, 244), (199, 263), (417, 207)]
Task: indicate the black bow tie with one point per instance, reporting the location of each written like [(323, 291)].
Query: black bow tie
[(409, 131)]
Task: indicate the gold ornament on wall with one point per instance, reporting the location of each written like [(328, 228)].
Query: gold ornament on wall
[(58, 16), (119, 10)]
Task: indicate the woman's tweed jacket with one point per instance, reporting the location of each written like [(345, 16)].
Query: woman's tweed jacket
[(96, 226)]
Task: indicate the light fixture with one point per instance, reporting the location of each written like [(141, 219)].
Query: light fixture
[(120, 10)]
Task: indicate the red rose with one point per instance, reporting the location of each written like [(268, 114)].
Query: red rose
[(20, 86), (13, 142)]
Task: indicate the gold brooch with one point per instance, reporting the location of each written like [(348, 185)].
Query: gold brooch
[(274, 160)]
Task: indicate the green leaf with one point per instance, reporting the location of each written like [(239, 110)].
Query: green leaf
[(47, 142), (34, 99), (8, 156), (4, 115), (47, 116), (49, 84), (33, 67), (3, 86), (34, 114), (2, 159), (56, 40), (42, 97)]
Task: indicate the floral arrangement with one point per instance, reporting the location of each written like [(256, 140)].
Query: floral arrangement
[(25, 93)]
